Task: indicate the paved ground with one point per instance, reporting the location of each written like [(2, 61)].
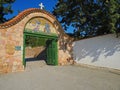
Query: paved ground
[(60, 78)]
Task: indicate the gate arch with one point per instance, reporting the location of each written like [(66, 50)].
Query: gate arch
[(42, 28), (12, 41)]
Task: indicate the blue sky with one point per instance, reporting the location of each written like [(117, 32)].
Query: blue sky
[(21, 5)]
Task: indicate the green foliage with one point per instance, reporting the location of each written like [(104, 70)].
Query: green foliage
[(5, 9), (35, 41), (94, 17)]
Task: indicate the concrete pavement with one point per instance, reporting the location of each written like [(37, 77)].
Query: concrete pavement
[(60, 78)]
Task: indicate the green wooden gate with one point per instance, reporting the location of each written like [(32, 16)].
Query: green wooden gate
[(52, 52), (51, 45)]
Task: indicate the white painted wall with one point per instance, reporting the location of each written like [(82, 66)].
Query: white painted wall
[(103, 51)]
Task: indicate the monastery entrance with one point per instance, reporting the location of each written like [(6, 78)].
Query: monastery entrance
[(40, 41), (40, 47), (19, 35)]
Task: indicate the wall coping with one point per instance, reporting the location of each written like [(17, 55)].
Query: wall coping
[(22, 15), (93, 37)]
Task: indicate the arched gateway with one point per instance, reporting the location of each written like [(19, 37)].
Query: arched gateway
[(35, 23)]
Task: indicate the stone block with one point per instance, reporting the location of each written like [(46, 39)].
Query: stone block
[(5, 68), (1, 67), (10, 49)]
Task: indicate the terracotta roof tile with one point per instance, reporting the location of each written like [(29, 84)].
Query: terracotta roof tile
[(22, 15)]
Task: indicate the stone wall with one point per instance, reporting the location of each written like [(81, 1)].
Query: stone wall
[(65, 50), (31, 52), (10, 56), (11, 40)]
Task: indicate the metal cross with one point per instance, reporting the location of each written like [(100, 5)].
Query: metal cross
[(41, 5)]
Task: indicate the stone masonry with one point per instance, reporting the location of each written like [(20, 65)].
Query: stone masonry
[(11, 40)]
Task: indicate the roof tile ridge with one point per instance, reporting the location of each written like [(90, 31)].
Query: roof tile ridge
[(19, 17)]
